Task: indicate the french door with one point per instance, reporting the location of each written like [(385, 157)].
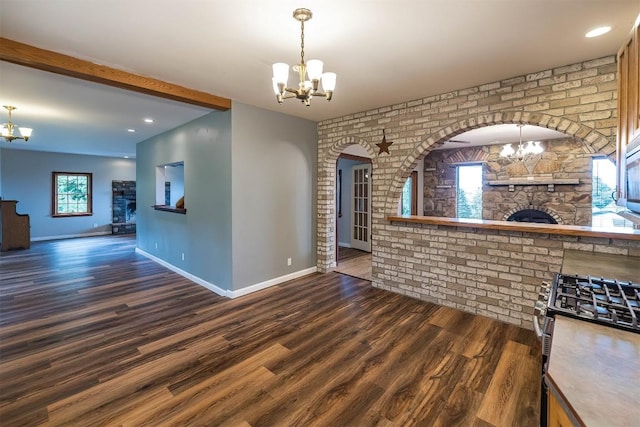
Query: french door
[(361, 207)]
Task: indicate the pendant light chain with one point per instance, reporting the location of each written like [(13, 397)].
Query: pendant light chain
[(302, 42)]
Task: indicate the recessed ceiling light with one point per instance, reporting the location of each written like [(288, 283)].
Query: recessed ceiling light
[(131, 130), (598, 32), (148, 120)]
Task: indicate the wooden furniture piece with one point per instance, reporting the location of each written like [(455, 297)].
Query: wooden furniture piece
[(628, 103), (14, 232)]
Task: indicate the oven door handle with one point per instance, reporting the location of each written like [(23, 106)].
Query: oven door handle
[(536, 326)]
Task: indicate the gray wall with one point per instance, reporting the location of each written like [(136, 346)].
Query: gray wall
[(204, 233), (274, 192), (26, 177), (344, 222)]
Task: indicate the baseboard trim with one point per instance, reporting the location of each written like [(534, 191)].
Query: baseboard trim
[(70, 236), (208, 285), (272, 282), (224, 292), (344, 245)]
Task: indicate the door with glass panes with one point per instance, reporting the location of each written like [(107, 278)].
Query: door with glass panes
[(361, 207)]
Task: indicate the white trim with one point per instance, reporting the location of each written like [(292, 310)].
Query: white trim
[(344, 245), (70, 236), (196, 279), (271, 282), (224, 292)]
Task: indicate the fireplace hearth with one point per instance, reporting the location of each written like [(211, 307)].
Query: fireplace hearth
[(532, 215)]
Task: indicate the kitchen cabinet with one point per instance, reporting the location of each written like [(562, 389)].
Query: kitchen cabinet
[(557, 417), (628, 104)]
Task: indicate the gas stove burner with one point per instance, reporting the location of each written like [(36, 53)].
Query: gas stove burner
[(605, 301)]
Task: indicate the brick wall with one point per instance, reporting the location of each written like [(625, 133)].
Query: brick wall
[(578, 99)]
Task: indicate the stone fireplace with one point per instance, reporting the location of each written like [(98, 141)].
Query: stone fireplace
[(533, 214), (557, 183), (123, 207)]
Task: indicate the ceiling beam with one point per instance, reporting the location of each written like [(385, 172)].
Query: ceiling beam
[(46, 60)]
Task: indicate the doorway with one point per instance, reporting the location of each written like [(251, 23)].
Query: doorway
[(353, 208)]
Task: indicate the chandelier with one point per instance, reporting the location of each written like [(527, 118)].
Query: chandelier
[(310, 73), (531, 148), (8, 128)]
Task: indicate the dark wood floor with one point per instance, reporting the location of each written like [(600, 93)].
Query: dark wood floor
[(94, 334), (347, 254)]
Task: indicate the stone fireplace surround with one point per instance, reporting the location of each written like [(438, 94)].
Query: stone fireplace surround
[(495, 273), (564, 160), (123, 207)]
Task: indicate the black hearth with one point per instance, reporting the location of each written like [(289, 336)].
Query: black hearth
[(532, 215)]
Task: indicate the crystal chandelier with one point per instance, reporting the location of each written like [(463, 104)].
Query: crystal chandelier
[(310, 73), (8, 128), (531, 148)]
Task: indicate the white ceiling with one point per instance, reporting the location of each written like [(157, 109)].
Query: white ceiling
[(384, 52)]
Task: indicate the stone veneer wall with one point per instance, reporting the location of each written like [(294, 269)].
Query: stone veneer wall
[(124, 192), (578, 100), (563, 158)]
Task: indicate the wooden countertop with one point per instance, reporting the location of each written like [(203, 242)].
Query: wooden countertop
[(567, 230), (609, 266), (596, 371)]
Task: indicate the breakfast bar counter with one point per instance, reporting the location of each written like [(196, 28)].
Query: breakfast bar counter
[(559, 229)]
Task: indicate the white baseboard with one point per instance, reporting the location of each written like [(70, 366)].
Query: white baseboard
[(344, 245), (271, 282), (218, 290), (70, 236), (224, 292)]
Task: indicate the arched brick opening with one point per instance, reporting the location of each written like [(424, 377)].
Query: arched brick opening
[(590, 137), (326, 208)]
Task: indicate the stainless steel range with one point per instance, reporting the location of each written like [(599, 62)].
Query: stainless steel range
[(604, 301)]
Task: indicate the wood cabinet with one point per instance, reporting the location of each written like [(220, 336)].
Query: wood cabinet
[(14, 227), (628, 104), (557, 417)]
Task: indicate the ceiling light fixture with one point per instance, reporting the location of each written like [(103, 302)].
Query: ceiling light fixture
[(8, 128), (310, 73), (531, 148), (131, 130), (598, 32), (148, 120)]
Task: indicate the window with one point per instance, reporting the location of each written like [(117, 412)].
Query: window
[(72, 194), (409, 198), (469, 191), (603, 205)]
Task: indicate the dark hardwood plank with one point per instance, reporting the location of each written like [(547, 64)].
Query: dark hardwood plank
[(92, 333)]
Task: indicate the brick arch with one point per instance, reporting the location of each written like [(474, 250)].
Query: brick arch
[(593, 139), (326, 198)]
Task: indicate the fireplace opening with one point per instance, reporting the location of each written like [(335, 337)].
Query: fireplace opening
[(532, 215)]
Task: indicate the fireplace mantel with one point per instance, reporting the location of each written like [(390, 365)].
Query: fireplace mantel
[(549, 182)]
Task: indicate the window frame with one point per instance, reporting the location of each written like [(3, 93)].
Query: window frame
[(54, 194), (413, 178)]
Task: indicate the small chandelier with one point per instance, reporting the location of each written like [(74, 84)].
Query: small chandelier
[(7, 128), (310, 73), (531, 148)]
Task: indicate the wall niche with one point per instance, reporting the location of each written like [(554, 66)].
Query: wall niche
[(123, 207)]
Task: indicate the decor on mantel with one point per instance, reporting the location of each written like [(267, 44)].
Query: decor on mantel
[(8, 128), (310, 73), (532, 147), (384, 145)]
